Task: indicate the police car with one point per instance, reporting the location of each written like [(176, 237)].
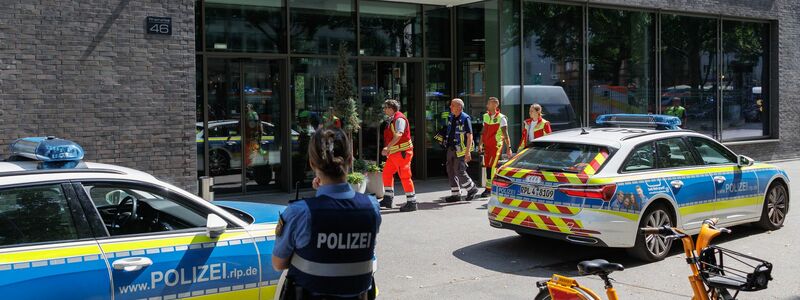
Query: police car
[(597, 186), (77, 230)]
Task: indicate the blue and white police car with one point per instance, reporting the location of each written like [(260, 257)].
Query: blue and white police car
[(77, 230), (597, 186)]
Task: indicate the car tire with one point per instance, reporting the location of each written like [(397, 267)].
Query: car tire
[(652, 248), (775, 208), (218, 163)]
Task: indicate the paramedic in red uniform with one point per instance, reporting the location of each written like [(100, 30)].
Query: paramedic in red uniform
[(398, 151), (494, 136), (534, 127)]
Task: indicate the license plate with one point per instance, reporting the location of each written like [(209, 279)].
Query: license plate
[(537, 192)]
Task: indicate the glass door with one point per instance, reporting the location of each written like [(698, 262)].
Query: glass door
[(381, 80), (243, 134)]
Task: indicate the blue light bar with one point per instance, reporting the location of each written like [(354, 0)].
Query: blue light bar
[(47, 149), (639, 120)]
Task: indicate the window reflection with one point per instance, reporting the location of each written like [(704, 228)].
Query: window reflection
[(437, 31), (553, 55), (390, 29), (318, 27), (437, 101), (245, 26), (312, 88), (689, 71), (745, 88), (621, 62)]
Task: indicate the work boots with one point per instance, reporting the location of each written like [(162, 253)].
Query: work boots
[(486, 193), (386, 202), (471, 194), (409, 206)]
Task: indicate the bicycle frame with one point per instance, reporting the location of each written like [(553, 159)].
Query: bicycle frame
[(566, 288)]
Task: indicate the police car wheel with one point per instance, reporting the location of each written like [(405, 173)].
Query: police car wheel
[(776, 205), (218, 163), (651, 247)]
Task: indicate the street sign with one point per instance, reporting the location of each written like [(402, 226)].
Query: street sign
[(159, 25)]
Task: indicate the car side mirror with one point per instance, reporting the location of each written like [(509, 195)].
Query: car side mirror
[(215, 226), (744, 161)]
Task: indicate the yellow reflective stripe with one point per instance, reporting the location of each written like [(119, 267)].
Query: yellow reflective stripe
[(400, 147), (51, 253), (200, 237), (552, 208), (676, 173), (549, 176), (515, 203), (519, 218), (562, 226), (719, 205), (520, 174), (503, 213), (589, 170), (626, 215), (573, 178)]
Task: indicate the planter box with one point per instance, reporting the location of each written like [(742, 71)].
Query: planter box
[(375, 184), (362, 187)]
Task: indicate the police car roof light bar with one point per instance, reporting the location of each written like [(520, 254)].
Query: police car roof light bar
[(647, 120), (47, 149)]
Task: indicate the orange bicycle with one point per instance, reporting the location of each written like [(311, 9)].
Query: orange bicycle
[(710, 279)]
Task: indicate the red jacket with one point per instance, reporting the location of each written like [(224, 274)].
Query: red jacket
[(542, 128)]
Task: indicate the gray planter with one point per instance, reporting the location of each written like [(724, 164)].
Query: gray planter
[(375, 183)]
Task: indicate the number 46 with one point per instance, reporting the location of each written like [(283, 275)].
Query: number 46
[(160, 28)]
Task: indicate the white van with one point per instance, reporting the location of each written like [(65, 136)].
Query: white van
[(554, 101)]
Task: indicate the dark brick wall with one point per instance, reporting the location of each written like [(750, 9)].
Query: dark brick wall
[(85, 70), (786, 14)]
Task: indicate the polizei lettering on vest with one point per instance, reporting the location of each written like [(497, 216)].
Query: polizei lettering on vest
[(342, 241)]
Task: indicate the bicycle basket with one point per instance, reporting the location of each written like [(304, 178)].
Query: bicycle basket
[(727, 269)]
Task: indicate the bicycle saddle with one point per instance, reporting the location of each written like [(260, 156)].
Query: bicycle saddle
[(598, 267)]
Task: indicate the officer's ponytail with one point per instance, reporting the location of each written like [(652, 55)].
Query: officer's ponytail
[(330, 152)]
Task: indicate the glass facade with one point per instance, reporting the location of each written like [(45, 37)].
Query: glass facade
[(621, 62), (745, 80), (266, 74), (689, 71), (390, 29)]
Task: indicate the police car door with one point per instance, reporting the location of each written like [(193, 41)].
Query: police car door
[(47, 250), (157, 245), (738, 196), (691, 186)]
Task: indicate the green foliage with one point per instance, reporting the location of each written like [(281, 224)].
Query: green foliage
[(359, 165), (355, 178), (373, 167)]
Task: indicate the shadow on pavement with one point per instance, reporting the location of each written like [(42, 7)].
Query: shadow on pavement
[(422, 206), (542, 257)]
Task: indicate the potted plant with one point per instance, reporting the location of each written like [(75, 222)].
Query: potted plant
[(374, 174), (357, 181)]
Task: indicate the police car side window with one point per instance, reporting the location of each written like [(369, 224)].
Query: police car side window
[(711, 153), (674, 153), (155, 211), (641, 158), (34, 215)]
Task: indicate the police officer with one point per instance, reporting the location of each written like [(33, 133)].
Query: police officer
[(327, 242), (458, 142)]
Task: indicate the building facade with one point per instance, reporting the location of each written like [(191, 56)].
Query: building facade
[(256, 78)]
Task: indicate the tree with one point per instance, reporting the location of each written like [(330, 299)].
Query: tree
[(344, 102)]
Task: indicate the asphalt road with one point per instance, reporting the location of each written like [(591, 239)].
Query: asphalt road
[(449, 251)]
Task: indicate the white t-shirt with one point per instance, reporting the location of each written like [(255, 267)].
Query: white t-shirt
[(530, 129), (400, 125)]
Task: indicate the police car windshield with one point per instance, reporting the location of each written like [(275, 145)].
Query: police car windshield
[(561, 157)]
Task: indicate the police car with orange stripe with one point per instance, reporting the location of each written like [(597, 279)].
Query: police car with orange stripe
[(597, 186), (77, 230)]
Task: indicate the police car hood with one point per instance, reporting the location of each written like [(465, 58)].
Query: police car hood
[(260, 212)]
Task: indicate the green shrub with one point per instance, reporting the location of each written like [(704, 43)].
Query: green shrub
[(355, 178)]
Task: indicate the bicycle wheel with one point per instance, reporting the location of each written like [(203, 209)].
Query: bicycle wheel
[(721, 294), (544, 294)]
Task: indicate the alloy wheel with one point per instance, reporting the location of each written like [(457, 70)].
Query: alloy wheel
[(657, 245), (776, 205)]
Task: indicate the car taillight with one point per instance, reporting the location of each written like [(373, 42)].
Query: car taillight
[(501, 182), (604, 192)]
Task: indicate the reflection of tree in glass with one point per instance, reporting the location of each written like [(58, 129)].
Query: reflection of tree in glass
[(308, 22), (620, 44), (684, 42), (556, 29), (388, 34)]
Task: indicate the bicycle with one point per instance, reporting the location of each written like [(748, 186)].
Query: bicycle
[(710, 279)]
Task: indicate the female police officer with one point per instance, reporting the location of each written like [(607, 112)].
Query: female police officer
[(328, 242)]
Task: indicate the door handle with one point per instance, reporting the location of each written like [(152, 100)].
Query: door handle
[(230, 143), (131, 264), (719, 179), (676, 184)]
